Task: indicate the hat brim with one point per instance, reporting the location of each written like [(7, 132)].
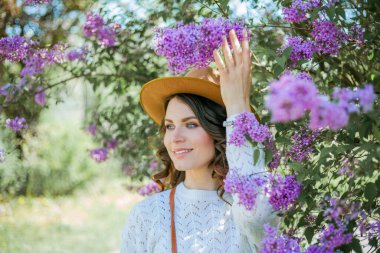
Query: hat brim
[(154, 93)]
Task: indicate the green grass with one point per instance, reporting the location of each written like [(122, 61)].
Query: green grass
[(89, 221)]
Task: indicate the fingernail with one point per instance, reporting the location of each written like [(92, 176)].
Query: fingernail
[(245, 33)]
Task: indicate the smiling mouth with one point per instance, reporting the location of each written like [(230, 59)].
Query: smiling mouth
[(185, 151)]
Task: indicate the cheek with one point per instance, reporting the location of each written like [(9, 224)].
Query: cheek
[(207, 143)]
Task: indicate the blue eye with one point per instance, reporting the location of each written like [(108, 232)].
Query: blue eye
[(169, 126), (192, 125)]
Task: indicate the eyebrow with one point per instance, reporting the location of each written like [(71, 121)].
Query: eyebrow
[(184, 119)]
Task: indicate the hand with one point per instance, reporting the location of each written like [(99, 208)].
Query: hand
[(235, 74)]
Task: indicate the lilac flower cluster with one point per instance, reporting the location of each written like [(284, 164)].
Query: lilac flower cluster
[(192, 45), (297, 11), (95, 26), (302, 145), (34, 2), (148, 189), (153, 165), (290, 97), (357, 34), (283, 191), (40, 96), (330, 239), (16, 124), (2, 155), (15, 48), (42, 58), (246, 187), (99, 154), (112, 143), (77, 54), (301, 49), (276, 243), (246, 124), (328, 38), (342, 209), (346, 169), (91, 129)]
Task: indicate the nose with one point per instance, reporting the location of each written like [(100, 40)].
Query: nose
[(178, 135)]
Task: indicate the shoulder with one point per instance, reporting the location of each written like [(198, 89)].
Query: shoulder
[(152, 205)]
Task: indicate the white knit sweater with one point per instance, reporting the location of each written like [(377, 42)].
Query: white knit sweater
[(203, 222)]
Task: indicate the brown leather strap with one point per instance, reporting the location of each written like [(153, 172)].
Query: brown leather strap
[(172, 225)]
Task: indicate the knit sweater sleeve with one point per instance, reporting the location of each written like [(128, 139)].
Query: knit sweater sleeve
[(241, 160), (135, 233)]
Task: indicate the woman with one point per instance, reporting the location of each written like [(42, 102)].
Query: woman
[(191, 216)]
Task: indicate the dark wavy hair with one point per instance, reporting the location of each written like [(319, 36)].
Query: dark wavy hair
[(211, 116)]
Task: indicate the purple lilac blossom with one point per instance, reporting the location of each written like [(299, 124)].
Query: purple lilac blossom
[(297, 11), (111, 144), (328, 38), (357, 34), (77, 54), (346, 169), (304, 75), (273, 242), (332, 238), (290, 97), (192, 45), (2, 155), (153, 165), (40, 96), (302, 145), (246, 187), (283, 191), (302, 49), (95, 26), (337, 210), (328, 114), (42, 58), (16, 124), (374, 230), (15, 48), (99, 154), (91, 129), (148, 189), (4, 91), (246, 124), (366, 97)]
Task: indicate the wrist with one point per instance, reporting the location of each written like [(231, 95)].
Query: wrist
[(237, 109)]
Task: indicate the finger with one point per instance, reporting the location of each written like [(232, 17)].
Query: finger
[(218, 60), (235, 46), (227, 54), (246, 51)]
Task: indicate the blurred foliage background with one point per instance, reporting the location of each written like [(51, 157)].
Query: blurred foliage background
[(51, 159)]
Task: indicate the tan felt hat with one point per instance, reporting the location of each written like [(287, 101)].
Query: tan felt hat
[(203, 82)]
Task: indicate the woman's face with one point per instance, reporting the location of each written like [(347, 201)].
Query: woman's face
[(188, 144)]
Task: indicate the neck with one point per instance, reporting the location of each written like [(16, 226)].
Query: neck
[(200, 180)]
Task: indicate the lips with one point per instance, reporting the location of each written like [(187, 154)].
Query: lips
[(182, 152)]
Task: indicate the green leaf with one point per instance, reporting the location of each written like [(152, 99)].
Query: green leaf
[(331, 13), (277, 70), (370, 192), (309, 233), (268, 156), (376, 132), (356, 245), (286, 53), (256, 155), (315, 13)]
